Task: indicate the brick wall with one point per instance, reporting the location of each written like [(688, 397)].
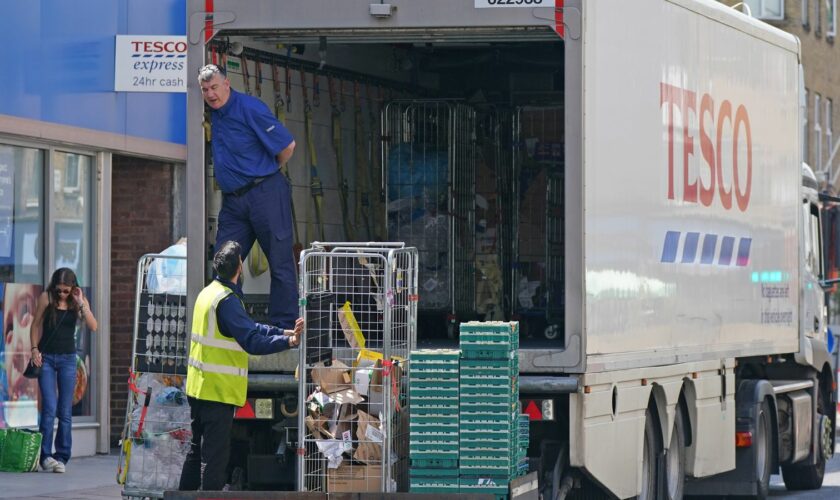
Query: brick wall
[(820, 53), (141, 221)]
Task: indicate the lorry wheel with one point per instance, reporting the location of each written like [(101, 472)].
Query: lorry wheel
[(675, 460), (650, 452), (763, 451), (810, 476)]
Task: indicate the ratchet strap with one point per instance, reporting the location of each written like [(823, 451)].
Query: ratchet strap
[(315, 186), (363, 176), (388, 371), (288, 80), (258, 77), (257, 260), (337, 103), (246, 77), (374, 109), (280, 112), (279, 103)]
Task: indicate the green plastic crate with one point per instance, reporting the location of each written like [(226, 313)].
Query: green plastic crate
[(436, 472), (434, 419), (434, 355), (433, 409), (430, 449), (433, 383), (442, 393), (434, 463), (487, 408)]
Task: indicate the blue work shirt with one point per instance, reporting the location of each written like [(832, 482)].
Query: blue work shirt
[(233, 321), (246, 139)]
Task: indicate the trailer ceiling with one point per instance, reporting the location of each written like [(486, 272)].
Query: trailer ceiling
[(494, 34)]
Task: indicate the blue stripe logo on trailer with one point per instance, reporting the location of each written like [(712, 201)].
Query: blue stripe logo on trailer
[(703, 248)]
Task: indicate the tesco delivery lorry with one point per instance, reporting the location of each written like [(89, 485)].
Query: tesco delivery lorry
[(622, 178)]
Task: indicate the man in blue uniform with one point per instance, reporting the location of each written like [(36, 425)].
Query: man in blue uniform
[(249, 145)]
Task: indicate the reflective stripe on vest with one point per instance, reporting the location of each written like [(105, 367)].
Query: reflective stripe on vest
[(218, 366), (213, 368), (222, 344)]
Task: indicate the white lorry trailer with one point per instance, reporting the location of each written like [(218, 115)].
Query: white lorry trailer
[(689, 355)]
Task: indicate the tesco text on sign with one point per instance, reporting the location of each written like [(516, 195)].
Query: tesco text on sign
[(727, 124), (150, 64)]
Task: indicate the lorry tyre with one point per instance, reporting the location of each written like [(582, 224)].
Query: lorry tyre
[(675, 460), (810, 476), (650, 452), (763, 451)]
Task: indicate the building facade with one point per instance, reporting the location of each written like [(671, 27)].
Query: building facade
[(89, 179), (814, 22)]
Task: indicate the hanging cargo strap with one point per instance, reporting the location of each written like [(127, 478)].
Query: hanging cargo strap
[(279, 103), (288, 80), (258, 77), (257, 260), (315, 185), (280, 112), (246, 77), (374, 109), (337, 103), (223, 61), (362, 174)]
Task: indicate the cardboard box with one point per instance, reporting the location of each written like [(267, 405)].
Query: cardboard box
[(333, 378), (354, 479)]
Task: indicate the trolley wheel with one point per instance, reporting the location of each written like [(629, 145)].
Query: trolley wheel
[(450, 329), (552, 332)]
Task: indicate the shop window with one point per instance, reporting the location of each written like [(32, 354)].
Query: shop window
[(21, 276), (818, 153), (805, 136), (829, 134), (71, 173), (72, 217), (804, 13), (817, 18), (773, 10)]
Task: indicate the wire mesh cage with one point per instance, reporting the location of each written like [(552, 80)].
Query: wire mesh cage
[(537, 209), (360, 306), (496, 160), (157, 433), (429, 162)]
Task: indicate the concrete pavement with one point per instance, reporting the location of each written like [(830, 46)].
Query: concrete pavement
[(92, 478)]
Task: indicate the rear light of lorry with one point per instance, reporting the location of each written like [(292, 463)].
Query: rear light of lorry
[(743, 439)]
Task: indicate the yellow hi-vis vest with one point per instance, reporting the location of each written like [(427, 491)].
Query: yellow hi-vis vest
[(218, 366)]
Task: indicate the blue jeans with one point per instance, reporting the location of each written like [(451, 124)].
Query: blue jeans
[(58, 371)]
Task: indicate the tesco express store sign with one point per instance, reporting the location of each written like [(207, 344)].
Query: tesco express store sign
[(150, 63)]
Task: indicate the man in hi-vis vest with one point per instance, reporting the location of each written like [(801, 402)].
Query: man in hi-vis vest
[(223, 335)]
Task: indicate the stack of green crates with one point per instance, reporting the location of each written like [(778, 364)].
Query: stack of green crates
[(433, 420), (489, 451), (524, 442)]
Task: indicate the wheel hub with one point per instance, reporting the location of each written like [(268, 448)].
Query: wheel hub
[(825, 435)]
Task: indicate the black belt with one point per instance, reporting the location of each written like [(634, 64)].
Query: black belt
[(247, 187)]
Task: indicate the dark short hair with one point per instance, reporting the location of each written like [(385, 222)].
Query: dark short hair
[(227, 260)]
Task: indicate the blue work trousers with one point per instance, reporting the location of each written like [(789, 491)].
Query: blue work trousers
[(264, 213), (57, 383)]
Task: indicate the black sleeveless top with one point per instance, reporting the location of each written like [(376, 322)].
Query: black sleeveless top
[(61, 338)]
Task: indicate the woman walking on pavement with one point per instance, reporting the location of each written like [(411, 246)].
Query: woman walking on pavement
[(53, 331)]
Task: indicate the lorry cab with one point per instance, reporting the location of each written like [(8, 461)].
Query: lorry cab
[(812, 294)]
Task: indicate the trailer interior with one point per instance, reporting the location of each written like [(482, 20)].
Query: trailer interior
[(453, 144)]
